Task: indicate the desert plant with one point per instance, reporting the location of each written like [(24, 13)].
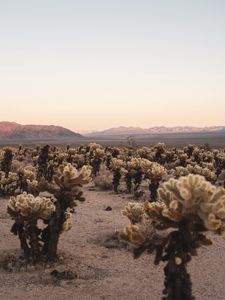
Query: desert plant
[(175, 226), (104, 179), (43, 162), (26, 210), (116, 179), (55, 211), (154, 174), (7, 161), (136, 168), (128, 179), (117, 165), (8, 184)]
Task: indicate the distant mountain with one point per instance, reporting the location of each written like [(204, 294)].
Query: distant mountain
[(13, 131), (157, 130)]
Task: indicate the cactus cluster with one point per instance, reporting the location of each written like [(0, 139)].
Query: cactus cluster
[(55, 211), (27, 207)]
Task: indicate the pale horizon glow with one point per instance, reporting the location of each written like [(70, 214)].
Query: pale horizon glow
[(94, 64)]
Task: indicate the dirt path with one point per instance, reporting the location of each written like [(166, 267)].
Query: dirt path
[(104, 268)]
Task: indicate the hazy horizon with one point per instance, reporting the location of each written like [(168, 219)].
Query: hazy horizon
[(94, 65), (83, 131)]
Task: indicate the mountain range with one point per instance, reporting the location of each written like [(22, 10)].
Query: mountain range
[(14, 131), (124, 131), (11, 131)]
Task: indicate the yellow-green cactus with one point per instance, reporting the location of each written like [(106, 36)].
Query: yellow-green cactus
[(70, 177), (188, 197), (67, 225), (117, 163), (134, 211), (28, 207)]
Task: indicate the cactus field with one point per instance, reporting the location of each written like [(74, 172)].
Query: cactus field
[(94, 222)]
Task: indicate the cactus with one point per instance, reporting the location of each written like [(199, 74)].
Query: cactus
[(66, 190), (26, 210), (55, 211), (188, 207), (7, 162)]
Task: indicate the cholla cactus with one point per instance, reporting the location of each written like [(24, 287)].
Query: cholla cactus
[(55, 210), (134, 211), (26, 210), (188, 207), (7, 161), (160, 149), (193, 196), (209, 175), (8, 184), (134, 163), (79, 160), (145, 152), (154, 174), (67, 225), (136, 167), (69, 176), (183, 171), (180, 171), (27, 179), (117, 166), (27, 207), (44, 168), (155, 171), (94, 146), (67, 188), (96, 163), (117, 163)]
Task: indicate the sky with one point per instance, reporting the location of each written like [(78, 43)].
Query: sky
[(97, 64)]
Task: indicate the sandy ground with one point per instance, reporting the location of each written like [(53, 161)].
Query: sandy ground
[(105, 269)]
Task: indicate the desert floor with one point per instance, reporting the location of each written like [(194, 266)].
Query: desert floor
[(104, 268)]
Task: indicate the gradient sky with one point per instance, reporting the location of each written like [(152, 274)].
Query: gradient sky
[(95, 64)]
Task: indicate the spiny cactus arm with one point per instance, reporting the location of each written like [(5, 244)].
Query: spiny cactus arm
[(44, 185), (134, 211)]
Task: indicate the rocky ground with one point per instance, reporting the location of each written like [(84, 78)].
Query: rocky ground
[(98, 265)]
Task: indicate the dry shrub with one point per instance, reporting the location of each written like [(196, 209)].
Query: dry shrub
[(104, 179)]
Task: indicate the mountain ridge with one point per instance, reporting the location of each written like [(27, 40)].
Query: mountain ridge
[(123, 130), (15, 131)]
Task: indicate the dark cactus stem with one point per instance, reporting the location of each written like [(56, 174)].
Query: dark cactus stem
[(190, 150), (50, 173), (96, 163), (128, 179), (108, 162), (34, 242), (22, 183), (7, 162), (153, 188), (19, 229), (177, 280), (115, 153), (69, 159), (218, 172), (116, 180), (138, 179), (52, 233), (43, 162), (52, 243), (158, 155)]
